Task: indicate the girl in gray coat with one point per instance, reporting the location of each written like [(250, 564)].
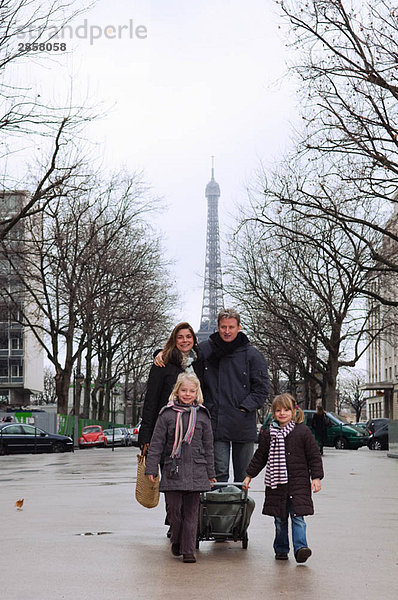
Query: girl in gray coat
[(184, 436), (293, 469)]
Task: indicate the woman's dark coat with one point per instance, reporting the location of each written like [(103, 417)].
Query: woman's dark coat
[(304, 463), (161, 381), (196, 463), (320, 427)]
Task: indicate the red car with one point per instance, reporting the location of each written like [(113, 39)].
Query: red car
[(92, 435)]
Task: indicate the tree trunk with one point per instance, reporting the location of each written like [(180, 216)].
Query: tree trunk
[(87, 387), (62, 383)]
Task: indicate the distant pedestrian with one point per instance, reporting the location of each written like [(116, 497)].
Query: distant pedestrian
[(183, 434), (320, 426), (291, 458)]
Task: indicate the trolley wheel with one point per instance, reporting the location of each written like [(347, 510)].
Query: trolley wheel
[(245, 541)]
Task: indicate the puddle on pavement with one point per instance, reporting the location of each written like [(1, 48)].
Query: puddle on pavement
[(95, 533), (29, 470)]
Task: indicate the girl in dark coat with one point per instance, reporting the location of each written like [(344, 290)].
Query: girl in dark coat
[(293, 468), (183, 434)]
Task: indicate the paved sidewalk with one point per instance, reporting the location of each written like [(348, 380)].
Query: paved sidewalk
[(46, 556)]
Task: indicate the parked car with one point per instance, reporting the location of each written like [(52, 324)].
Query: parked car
[(127, 435), (115, 436), (374, 424), (341, 433), (20, 437), (379, 439), (92, 435), (134, 436)]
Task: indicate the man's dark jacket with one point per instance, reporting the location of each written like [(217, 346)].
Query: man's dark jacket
[(236, 381), (303, 462)]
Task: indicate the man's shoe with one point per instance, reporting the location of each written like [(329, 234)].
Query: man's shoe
[(281, 556), (302, 554), (188, 558), (175, 549)]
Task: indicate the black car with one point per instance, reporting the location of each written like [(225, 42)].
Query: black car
[(375, 424), (379, 439), (20, 437)]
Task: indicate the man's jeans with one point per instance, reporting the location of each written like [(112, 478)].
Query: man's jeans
[(281, 542), (242, 453)]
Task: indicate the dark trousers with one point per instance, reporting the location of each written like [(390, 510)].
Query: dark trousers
[(182, 512)]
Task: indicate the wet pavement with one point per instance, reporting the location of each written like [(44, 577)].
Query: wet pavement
[(81, 534)]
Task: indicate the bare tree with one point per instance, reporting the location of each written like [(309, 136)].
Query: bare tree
[(347, 60), (351, 393), (24, 24), (297, 278), (67, 268), (49, 395)]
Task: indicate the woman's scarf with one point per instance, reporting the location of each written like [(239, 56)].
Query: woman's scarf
[(188, 360), (276, 469), (179, 437)]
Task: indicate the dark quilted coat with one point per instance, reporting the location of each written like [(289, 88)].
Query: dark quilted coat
[(304, 463), (196, 464)]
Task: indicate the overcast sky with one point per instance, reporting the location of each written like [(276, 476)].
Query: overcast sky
[(195, 79)]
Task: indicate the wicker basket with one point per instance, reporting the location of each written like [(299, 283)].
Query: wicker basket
[(146, 492)]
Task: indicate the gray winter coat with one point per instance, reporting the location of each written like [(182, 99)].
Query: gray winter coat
[(303, 462), (239, 381), (196, 463)]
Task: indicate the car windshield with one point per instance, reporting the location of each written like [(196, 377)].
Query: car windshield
[(340, 418), (91, 429), (108, 431)]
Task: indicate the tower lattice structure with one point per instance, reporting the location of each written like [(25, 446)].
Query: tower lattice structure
[(213, 300)]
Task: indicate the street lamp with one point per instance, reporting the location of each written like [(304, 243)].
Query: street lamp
[(115, 394), (78, 379)]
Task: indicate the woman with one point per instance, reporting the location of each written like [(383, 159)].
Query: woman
[(320, 426), (179, 354)]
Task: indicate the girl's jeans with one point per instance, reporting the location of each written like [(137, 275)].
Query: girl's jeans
[(281, 542)]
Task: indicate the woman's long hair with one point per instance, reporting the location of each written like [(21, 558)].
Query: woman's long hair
[(287, 402), (170, 345)]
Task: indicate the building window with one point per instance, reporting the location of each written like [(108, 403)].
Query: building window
[(16, 370), (3, 367), (3, 339)]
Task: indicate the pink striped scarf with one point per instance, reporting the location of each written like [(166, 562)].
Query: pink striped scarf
[(276, 469), (179, 438)]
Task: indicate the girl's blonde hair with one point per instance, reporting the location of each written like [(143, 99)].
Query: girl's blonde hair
[(289, 403), (191, 377)]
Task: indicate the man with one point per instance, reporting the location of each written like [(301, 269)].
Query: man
[(236, 384)]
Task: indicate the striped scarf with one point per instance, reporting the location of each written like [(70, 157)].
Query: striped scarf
[(276, 469), (179, 437)]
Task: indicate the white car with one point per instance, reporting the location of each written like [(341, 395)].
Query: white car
[(134, 434)]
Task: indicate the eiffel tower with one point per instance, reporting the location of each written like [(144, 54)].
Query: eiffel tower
[(213, 300)]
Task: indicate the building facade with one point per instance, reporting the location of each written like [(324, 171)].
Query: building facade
[(382, 355), (21, 355)]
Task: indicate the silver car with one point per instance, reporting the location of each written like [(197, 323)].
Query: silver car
[(134, 434), (115, 436)]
